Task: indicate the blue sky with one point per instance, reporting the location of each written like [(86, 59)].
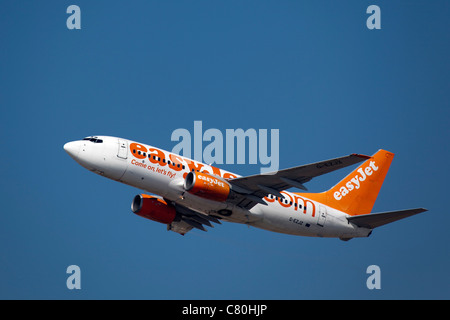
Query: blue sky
[(142, 69)]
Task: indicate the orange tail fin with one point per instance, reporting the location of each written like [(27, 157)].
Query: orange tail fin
[(356, 193)]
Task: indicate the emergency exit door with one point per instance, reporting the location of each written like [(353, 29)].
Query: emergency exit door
[(123, 149), (322, 216)]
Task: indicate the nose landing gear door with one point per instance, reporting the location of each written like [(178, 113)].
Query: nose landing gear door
[(123, 149)]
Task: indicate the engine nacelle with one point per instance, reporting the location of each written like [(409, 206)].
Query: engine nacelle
[(153, 208), (207, 186)]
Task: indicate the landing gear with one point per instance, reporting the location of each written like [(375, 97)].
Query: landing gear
[(225, 212)]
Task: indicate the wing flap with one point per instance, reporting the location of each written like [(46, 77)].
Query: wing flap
[(189, 219)]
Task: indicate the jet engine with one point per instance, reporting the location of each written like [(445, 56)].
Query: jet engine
[(207, 186), (153, 208)]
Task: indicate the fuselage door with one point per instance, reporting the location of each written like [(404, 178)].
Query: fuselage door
[(322, 216), (123, 149)]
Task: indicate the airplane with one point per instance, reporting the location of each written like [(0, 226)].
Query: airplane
[(187, 194)]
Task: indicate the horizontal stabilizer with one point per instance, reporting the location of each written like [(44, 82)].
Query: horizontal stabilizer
[(251, 188), (375, 220)]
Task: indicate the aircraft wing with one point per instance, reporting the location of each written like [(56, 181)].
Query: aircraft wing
[(251, 189)]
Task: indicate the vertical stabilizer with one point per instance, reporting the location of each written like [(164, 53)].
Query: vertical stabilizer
[(357, 192)]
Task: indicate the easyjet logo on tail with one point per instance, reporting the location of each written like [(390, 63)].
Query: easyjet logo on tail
[(356, 181)]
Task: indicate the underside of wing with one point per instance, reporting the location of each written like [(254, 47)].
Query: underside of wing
[(187, 219)]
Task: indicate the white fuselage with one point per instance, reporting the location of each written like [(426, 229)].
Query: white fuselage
[(163, 173)]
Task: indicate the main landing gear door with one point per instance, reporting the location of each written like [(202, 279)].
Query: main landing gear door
[(123, 149)]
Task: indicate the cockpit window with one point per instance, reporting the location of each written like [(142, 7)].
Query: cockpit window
[(94, 139)]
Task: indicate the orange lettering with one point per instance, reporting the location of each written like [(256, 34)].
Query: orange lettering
[(194, 165), (269, 199), (289, 202), (158, 154), (138, 150), (176, 162), (229, 176), (303, 202), (215, 171)]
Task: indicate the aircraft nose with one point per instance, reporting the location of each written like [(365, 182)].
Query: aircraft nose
[(72, 148)]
